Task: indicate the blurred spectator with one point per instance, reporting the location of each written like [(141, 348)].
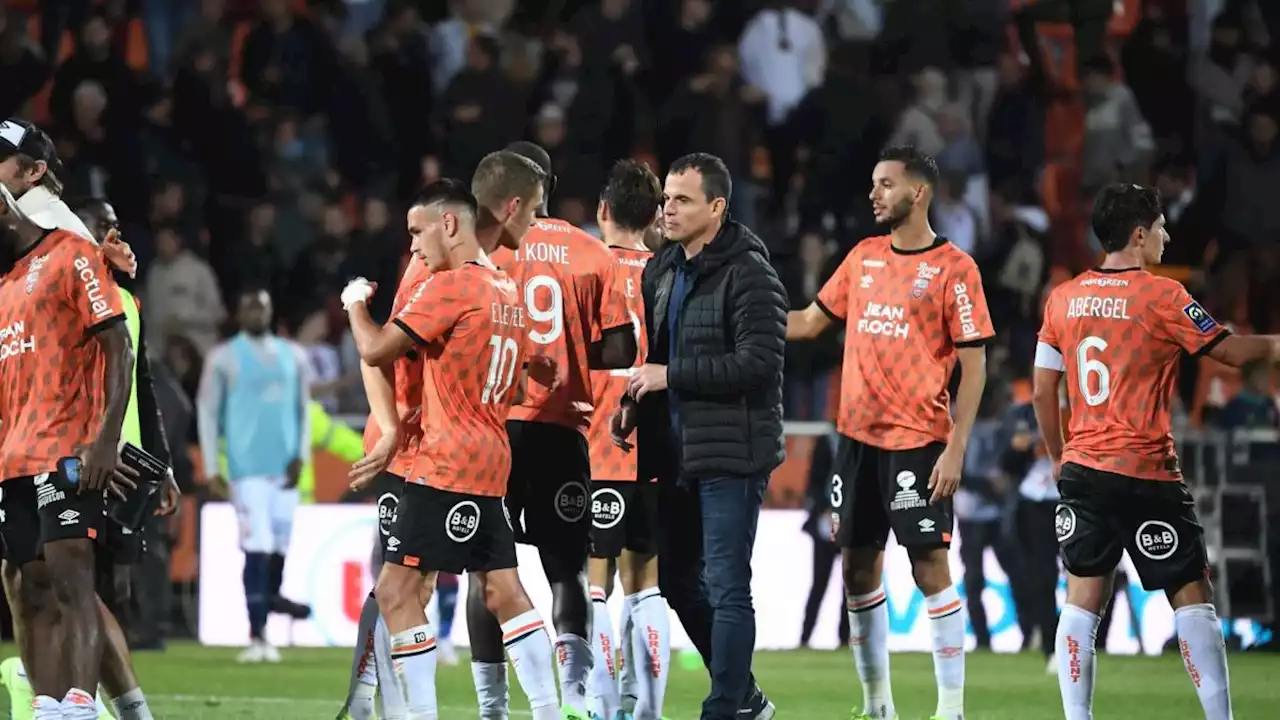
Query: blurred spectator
[(1250, 215), (258, 261), (1219, 77), (1187, 217), (1037, 501), (23, 64), (451, 38), (960, 155), (381, 255), (952, 217), (686, 46), (1015, 267), (918, 126), (326, 367), (1254, 406), (1117, 138), (287, 61), (611, 33), (182, 294), (480, 110), (361, 133), (164, 21), (185, 361), (401, 58), (1015, 127), (1156, 69), (94, 61), (784, 55), (809, 364), (818, 527)]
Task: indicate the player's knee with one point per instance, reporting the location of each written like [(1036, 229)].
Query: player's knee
[(931, 569), (862, 569), (35, 590), (397, 589), (560, 568), (1196, 592)]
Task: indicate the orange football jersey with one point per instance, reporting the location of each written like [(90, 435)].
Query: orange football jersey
[(469, 326), (905, 313), (608, 462), (565, 278), (51, 368), (408, 382), (1119, 335)]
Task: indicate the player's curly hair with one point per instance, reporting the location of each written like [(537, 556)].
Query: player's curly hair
[(1121, 208), (632, 194)]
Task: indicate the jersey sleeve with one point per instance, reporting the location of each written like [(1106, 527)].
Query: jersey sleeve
[(966, 314), (1182, 321), (432, 310), (90, 289), (833, 298), (1048, 334)]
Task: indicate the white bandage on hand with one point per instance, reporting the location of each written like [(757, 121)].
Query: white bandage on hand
[(357, 291)]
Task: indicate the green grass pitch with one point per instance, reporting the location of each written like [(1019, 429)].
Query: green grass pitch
[(190, 682)]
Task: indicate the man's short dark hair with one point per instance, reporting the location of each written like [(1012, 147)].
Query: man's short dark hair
[(633, 195), (716, 181), (1121, 208), (503, 175), (448, 191), (916, 163)]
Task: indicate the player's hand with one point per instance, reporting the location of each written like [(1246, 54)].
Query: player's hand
[(646, 379), (544, 371), (118, 254), (102, 471), (622, 425), (1057, 469), (945, 477), (364, 470), (292, 473), (357, 291), (169, 494)]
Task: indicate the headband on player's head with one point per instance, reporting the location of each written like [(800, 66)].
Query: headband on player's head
[(542, 159)]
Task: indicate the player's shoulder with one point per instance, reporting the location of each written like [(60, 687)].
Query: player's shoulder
[(955, 257), (870, 246), (67, 246)]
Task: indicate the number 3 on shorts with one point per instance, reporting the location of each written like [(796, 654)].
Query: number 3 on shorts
[(1086, 367), (547, 312), (837, 491), (502, 369)]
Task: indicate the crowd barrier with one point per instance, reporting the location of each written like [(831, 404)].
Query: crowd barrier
[(328, 567)]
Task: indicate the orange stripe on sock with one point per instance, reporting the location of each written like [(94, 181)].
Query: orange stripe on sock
[(414, 648), (953, 605), (522, 630), (866, 602), (597, 595)]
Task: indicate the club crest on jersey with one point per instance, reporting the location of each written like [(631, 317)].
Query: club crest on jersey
[(924, 274), (1199, 317), (33, 273)]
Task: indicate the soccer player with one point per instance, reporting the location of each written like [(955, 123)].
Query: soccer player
[(254, 395), (565, 279), (624, 512), (1117, 333), (468, 324), (65, 379), (911, 304), (508, 184)]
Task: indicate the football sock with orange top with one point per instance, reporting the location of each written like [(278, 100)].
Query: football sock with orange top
[(1204, 653), (414, 654), (869, 640), (529, 647), (946, 624)]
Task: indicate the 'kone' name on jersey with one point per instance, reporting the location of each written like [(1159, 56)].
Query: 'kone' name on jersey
[(1107, 308), (881, 319), (544, 252), (14, 340)]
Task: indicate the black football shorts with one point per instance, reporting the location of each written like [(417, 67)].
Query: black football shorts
[(440, 530), (624, 516), (549, 493), (38, 509), (874, 491)]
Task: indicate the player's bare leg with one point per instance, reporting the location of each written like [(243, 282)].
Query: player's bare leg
[(649, 634), (869, 628), (71, 566), (603, 699), (571, 616), (932, 572), (118, 677), (525, 636), (488, 657), (1075, 643), (403, 594), (36, 622)]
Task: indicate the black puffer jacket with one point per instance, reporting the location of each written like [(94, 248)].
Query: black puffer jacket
[(726, 371)]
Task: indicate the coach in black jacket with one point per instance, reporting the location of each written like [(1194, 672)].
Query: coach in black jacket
[(708, 405)]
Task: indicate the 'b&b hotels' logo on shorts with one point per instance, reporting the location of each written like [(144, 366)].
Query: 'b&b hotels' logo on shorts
[(1064, 523), (571, 502), (1157, 539), (607, 508), (387, 505), (462, 521)]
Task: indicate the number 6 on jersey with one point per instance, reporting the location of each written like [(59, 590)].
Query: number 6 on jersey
[(1087, 367)]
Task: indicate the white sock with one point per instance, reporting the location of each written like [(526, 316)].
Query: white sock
[(79, 704), (491, 689), (1074, 648), (364, 668), (651, 643), (869, 640), (360, 706), (46, 708), (413, 652), (132, 706), (946, 623), (392, 702), (529, 648), (602, 684), (573, 664), (628, 684), (1204, 653)]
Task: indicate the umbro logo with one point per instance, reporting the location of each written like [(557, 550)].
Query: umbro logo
[(69, 517)]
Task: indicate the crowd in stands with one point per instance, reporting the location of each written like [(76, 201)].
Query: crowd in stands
[(271, 144)]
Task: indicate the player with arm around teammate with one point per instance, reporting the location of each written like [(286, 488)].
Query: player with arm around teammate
[(912, 305), (1117, 333), (468, 323), (624, 507)]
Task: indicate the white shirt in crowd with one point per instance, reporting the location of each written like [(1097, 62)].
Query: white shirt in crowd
[(783, 54)]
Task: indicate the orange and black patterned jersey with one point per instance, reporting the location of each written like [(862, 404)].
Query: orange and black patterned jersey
[(52, 392), (608, 462), (905, 313), (565, 276), (469, 326), (1118, 336), (408, 385)]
